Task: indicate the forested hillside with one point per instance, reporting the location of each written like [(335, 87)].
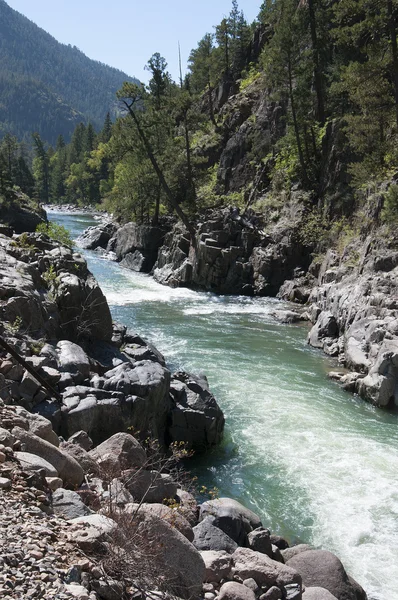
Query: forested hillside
[(305, 99), (46, 86)]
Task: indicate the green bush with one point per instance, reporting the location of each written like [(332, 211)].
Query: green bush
[(56, 232)]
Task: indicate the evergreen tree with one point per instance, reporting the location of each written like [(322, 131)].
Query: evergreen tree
[(41, 169)]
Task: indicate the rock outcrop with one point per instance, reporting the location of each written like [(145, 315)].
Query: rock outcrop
[(233, 255), (354, 311)]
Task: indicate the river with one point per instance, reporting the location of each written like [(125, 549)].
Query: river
[(316, 463)]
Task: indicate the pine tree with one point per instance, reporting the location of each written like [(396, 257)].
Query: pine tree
[(41, 169)]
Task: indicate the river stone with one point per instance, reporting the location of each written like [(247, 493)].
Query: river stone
[(210, 537), (218, 565), (232, 590), (90, 531), (119, 494), (172, 556), (171, 516), (6, 437), (317, 593), (232, 517), (325, 327), (32, 462), (288, 553), (119, 453), (321, 568), (68, 469), (68, 504), (82, 439), (264, 570), (72, 359), (39, 425), (259, 540), (195, 417), (150, 486), (87, 463)]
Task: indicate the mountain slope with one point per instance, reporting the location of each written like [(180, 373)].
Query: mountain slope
[(46, 86)]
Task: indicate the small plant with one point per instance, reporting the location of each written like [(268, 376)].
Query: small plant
[(56, 232), (36, 348), (16, 326), (23, 242), (50, 277)]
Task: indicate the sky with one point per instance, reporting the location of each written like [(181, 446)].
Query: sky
[(125, 33)]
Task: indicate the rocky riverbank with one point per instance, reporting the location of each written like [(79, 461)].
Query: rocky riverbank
[(350, 298), (89, 510), (94, 523)]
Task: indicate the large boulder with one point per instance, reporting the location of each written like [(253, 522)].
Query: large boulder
[(83, 308), (97, 236), (32, 462), (38, 425), (150, 486), (67, 467), (140, 243), (172, 556), (72, 359), (210, 537), (317, 593), (320, 568), (232, 590), (90, 532), (170, 515), (249, 564), (232, 517), (218, 565), (118, 453), (195, 417), (68, 504)]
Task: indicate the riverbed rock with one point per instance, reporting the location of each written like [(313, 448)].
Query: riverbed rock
[(172, 555), (32, 462), (137, 246), (232, 590), (97, 236), (170, 515), (232, 517), (118, 453), (320, 568), (68, 504), (89, 532), (264, 570), (210, 537), (218, 565), (67, 468), (259, 540), (317, 593), (195, 417), (72, 359), (150, 486)]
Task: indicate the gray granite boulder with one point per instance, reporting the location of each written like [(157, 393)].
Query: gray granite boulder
[(210, 537), (320, 568), (232, 517), (195, 417)]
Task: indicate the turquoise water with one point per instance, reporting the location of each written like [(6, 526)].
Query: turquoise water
[(318, 464)]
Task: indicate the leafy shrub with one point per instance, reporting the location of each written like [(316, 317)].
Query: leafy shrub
[(56, 232)]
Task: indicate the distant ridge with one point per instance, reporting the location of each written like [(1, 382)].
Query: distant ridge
[(46, 86)]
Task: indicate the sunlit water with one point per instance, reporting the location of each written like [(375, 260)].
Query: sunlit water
[(317, 464)]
